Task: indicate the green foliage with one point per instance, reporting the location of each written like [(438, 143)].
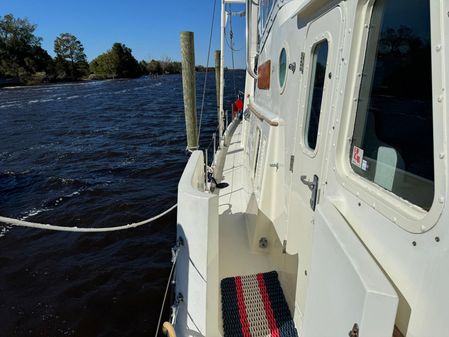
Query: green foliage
[(143, 67), (71, 62), (202, 69), (170, 67), (118, 62), (23, 60), (154, 67), (21, 54)]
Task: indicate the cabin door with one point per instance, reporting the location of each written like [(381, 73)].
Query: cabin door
[(319, 67), (340, 288), (320, 60)]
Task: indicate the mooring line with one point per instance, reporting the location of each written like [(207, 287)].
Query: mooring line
[(22, 223)]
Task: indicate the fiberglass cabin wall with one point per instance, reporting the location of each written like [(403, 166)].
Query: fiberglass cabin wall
[(385, 166)]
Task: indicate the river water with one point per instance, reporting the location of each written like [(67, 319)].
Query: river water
[(92, 154)]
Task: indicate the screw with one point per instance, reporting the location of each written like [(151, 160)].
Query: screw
[(414, 243), (437, 238), (305, 272)]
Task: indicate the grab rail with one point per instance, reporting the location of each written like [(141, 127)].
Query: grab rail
[(249, 34), (262, 116)]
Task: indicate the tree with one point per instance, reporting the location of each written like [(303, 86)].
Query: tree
[(127, 64), (154, 67), (170, 67), (118, 62), (143, 67), (105, 65), (70, 50), (21, 54)]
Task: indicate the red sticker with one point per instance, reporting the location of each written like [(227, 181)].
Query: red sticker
[(357, 156)]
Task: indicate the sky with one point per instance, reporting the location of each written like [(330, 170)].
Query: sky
[(150, 28)]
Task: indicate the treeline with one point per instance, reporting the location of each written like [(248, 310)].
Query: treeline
[(23, 60)]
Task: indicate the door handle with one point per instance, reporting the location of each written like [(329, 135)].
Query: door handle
[(313, 186), (309, 184)]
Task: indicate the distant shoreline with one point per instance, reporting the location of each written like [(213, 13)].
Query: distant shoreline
[(15, 83)]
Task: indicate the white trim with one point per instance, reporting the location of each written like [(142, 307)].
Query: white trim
[(307, 91), (406, 215)]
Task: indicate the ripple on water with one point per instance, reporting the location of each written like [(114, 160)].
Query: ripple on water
[(90, 154)]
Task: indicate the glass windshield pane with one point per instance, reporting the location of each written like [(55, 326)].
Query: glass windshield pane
[(265, 7), (393, 136), (319, 61)]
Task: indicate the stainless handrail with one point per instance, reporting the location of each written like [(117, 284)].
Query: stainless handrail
[(262, 116), (249, 34)]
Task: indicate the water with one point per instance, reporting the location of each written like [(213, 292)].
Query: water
[(91, 154)]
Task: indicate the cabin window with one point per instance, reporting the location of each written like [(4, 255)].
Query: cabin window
[(282, 67), (256, 150), (316, 88), (265, 7), (392, 143)]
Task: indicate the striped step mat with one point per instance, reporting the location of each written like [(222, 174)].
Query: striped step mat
[(255, 306)]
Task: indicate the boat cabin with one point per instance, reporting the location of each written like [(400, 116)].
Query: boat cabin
[(337, 179)]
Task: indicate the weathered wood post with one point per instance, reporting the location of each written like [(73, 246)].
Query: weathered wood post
[(217, 81), (189, 89)]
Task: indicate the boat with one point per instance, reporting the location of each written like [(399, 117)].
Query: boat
[(330, 189)]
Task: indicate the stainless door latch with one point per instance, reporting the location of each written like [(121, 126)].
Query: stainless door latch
[(313, 186)]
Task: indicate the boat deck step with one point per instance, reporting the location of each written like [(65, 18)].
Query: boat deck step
[(254, 305)]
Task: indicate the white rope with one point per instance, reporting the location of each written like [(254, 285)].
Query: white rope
[(21, 223)]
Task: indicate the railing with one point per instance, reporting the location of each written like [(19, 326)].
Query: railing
[(263, 116), (249, 34)]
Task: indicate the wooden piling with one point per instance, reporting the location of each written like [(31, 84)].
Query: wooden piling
[(189, 89)]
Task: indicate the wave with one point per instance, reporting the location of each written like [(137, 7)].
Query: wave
[(4, 106), (121, 91), (56, 182), (33, 212), (4, 229), (48, 205), (13, 173)]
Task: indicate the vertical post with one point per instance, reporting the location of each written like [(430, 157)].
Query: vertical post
[(189, 89), (217, 81), (222, 42)]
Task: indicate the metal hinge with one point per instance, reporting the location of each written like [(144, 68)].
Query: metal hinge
[(292, 162), (301, 63), (355, 331)]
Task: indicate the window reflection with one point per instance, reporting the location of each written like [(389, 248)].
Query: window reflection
[(282, 67), (393, 130), (319, 60)]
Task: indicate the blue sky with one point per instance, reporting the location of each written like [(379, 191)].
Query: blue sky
[(150, 28)]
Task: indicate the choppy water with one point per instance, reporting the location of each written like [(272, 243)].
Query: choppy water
[(91, 154)]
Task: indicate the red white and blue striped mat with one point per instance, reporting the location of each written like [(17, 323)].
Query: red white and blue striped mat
[(255, 306)]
